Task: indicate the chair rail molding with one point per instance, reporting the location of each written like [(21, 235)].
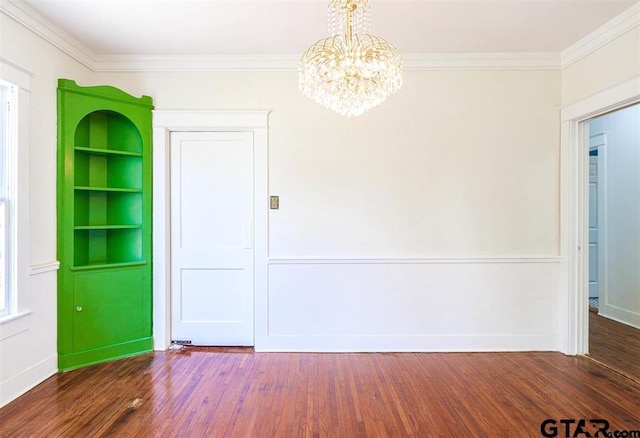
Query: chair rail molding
[(44, 267)]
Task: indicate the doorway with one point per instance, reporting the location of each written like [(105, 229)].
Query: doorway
[(614, 240), (165, 123), (574, 203)]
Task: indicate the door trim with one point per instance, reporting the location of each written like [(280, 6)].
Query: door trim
[(574, 204), (164, 123)]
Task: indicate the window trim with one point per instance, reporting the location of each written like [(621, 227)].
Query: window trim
[(8, 149), (6, 297), (18, 195)]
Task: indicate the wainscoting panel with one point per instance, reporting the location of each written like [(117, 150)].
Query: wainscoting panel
[(412, 305)]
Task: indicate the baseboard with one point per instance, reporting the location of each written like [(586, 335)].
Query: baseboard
[(71, 361), (28, 379), (621, 315), (439, 344)]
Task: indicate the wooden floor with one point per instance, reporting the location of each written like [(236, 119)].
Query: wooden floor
[(614, 344), (238, 393)]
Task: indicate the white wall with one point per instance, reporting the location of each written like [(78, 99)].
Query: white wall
[(429, 223), (29, 354), (621, 284), (458, 164)]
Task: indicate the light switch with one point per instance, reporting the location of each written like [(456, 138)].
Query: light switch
[(275, 202)]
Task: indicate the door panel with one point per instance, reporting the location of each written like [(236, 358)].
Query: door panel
[(224, 287), (108, 308), (216, 187), (211, 237)]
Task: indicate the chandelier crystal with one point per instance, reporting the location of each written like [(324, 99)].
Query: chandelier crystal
[(351, 71)]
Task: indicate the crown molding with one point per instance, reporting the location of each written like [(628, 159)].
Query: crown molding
[(603, 35), (38, 24)]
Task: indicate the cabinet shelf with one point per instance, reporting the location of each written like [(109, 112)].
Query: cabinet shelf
[(107, 189), (100, 208), (106, 227), (107, 168), (102, 151), (107, 265), (103, 246)]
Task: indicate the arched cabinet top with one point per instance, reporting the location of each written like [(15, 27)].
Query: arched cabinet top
[(104, 92)]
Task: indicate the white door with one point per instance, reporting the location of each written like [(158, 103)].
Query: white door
[(212, 296)]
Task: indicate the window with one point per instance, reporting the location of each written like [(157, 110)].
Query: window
[(8, 121), (14, 199)]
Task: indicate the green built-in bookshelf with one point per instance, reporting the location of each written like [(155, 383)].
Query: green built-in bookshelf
[(104, 224)]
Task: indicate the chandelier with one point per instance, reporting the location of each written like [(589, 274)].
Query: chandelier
[(351, 71)]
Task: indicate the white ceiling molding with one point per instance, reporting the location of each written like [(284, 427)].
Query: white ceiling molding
[(601, 36), (34, 21)]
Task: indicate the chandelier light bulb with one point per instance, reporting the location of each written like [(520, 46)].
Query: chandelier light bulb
[(351, 71)]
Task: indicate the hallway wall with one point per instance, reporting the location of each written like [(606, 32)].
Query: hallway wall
[(620, 287)]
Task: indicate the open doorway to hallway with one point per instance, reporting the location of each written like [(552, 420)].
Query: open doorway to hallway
[(614, 240)]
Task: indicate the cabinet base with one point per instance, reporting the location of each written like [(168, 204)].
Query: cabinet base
[(71, 361)]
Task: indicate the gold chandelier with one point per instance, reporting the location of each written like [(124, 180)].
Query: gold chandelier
[(351, 71)]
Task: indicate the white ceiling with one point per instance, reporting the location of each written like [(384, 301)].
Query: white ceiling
[(274, 27)]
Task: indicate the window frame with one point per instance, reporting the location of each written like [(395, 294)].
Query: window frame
[(15, 190), (9, 121), (6, 296)]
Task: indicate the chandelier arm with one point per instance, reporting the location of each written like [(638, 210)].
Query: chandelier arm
[(324, 50)]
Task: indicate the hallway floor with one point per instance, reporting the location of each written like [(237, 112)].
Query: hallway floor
[(615, 345)]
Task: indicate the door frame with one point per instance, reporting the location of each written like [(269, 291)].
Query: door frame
[(574, 205), (164, 123)]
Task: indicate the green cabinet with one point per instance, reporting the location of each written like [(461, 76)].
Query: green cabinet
[(104, 224)]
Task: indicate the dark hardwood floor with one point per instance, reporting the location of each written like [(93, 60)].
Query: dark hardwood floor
[(223, 392), (614, 344)]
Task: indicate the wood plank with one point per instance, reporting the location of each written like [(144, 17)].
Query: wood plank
[(233, 392)]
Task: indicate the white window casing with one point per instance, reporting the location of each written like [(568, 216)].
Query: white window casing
[(14, 196)]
